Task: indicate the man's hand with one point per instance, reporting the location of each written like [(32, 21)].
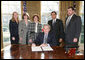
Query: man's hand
[(42, 45), (60, 40), (75, 40), (33, 45)]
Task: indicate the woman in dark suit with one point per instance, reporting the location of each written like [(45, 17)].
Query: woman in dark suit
[(13, 28), (34, 29)]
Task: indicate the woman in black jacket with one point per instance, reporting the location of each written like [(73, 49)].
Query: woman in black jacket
[(13, 27)]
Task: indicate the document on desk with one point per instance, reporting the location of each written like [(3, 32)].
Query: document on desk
[(37, 48), (47, 48)]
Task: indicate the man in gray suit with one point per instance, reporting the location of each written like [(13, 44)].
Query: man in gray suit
[(72, 29)]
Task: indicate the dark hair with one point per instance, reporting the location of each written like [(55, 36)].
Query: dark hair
[(25, 15), (36, 16), (71, 8), (53, 12)]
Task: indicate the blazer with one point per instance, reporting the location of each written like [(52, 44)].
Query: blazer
[(58, 29), (13, 28), (31, 31), (23, 31), (50, 40), (73, 30)]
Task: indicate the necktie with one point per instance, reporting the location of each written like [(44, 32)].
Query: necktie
[(68, 20), (45, 38), (53, 23)]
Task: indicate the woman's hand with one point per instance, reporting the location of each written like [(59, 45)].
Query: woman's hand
[(13, 38), (30, 40), (20, 38)]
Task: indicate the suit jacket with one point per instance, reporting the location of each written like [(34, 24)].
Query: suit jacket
[(23, 31), (31, 31), (50, 40), (58, 29), (73, 30), (13, 28)]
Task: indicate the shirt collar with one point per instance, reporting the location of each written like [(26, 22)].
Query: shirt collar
[(71, 16), (54, 19)]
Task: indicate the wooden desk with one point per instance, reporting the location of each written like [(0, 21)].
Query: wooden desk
[(25, 52)]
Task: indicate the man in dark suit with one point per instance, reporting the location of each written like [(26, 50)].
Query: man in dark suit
[(45, 38), (72, 29), (57, 28)]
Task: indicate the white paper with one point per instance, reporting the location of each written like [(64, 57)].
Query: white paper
[(47, 48), (37, 48), (80, 53)]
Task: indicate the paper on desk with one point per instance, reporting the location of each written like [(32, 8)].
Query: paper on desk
[(47, 48), (37, 48), (80, 53)]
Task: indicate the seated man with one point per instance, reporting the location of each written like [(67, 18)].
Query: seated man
[(45, 38)]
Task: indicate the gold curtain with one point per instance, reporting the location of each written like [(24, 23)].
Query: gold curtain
[(21, 8), (33, 7), (64, 6)]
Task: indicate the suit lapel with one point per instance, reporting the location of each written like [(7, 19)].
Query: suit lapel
[(51, 22), (38, 27), (66, 20), (48, 39), (56, 21), (71, 20), (42, 37)]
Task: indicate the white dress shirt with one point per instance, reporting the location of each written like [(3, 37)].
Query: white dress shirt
[(36, 24)]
